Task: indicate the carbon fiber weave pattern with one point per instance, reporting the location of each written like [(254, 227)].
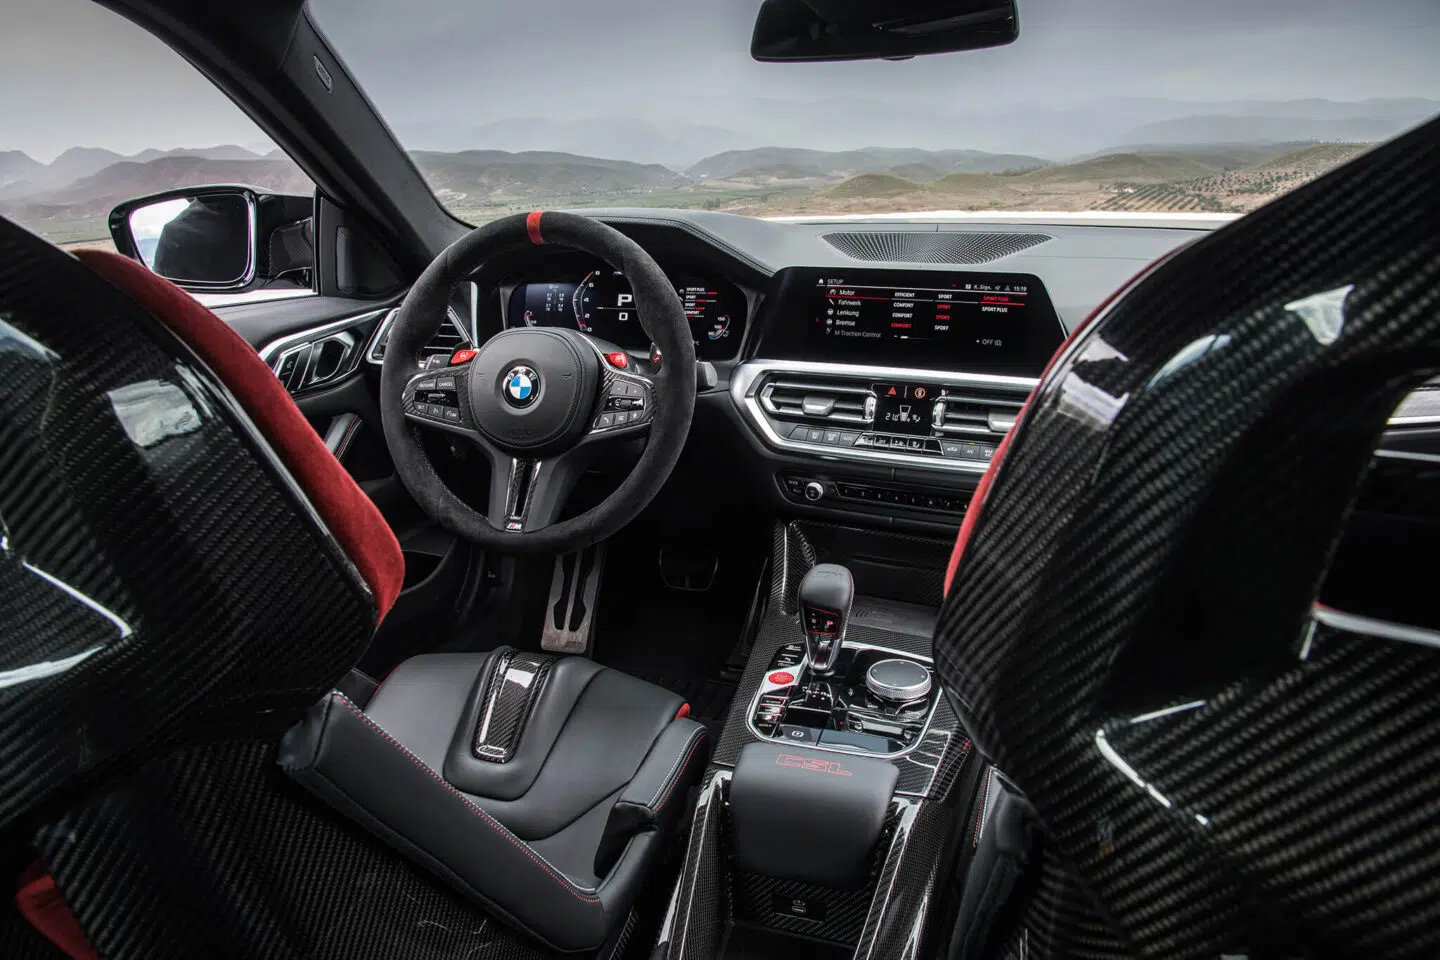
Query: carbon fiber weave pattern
[(1153, 542), (901, 921), (753, 901), (155, 567), (836, 916), (699, 911), (790, 557), (20, 941), (172, 604), (508, 703), (247, 865)]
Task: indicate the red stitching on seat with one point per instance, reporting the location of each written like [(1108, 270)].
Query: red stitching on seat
[(693, 747), (485, 817)]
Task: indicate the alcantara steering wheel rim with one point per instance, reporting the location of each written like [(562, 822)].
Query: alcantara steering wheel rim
[(534, 401)]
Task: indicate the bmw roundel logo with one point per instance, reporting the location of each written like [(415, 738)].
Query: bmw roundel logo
[(521, 386)]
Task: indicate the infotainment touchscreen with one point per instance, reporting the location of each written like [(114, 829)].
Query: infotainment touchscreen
[(977, 322)]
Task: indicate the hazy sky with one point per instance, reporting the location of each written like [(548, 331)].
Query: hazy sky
[(72, 73)]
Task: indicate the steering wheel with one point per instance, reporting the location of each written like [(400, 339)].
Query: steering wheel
[(539, 402)]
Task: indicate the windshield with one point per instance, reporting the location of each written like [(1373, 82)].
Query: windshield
[(1101, 105)]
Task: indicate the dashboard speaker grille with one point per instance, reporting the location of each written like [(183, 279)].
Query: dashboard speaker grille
[(949, 247)]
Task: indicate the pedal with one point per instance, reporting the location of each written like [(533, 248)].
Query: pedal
[(570, 611), (691, 572)]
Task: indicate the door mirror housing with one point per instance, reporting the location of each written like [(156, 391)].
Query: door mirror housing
[(806, 30), (216, 239)]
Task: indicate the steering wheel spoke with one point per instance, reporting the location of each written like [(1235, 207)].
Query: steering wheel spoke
[(526, 494)]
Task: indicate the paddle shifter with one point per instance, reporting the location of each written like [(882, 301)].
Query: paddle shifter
[(825, 597)]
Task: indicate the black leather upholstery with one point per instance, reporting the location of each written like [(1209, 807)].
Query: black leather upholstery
[(804, 815), (1003, 839), (559, 838)]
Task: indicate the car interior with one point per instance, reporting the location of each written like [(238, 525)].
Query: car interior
[(654, 583)]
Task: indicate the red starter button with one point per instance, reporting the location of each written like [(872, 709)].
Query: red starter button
[(780, 676)]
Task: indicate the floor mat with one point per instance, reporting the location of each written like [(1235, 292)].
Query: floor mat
[(673, 648), (709, 699)]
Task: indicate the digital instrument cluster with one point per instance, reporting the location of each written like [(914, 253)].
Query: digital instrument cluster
[(601, 303)]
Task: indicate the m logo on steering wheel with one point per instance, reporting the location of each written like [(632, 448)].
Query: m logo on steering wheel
[(522, 386)]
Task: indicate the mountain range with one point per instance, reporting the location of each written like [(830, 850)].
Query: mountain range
[(934, 120), (772, 153)]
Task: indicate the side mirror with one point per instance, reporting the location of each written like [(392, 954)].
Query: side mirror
[(216, 239), (789, 31)]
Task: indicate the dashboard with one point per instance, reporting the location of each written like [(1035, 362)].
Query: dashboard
[(596, 299), (858, 387), (864, 369)]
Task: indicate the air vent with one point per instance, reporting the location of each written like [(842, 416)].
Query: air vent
[(816, 401), (975, 413), (446, 341), (917, 247), (1420, 407), (449, 338)]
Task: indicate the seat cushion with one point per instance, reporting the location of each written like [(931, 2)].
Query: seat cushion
[(541, 787)]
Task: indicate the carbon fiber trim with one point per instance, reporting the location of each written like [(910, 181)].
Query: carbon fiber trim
[(699, 909), (246, 864), (156, 564), (836, 915), (1127, 635), (515, 682), (791, 556)]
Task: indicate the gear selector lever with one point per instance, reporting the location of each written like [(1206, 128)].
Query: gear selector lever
[(825, 596)]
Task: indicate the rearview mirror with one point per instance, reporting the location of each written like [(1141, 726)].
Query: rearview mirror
[(214, 238), (801, 30)]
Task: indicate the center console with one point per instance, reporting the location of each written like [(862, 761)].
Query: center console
[(824, 693), (885, 393), (842, 781)]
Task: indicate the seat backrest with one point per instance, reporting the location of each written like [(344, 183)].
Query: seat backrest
[(164, 578), (1219, 764)]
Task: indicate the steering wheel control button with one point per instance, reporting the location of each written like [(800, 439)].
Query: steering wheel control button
[(618, 358), (425, 385), (445, 383), (781, 677), (462, 356)]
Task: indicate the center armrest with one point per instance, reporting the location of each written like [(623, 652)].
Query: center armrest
[(808, 815)]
